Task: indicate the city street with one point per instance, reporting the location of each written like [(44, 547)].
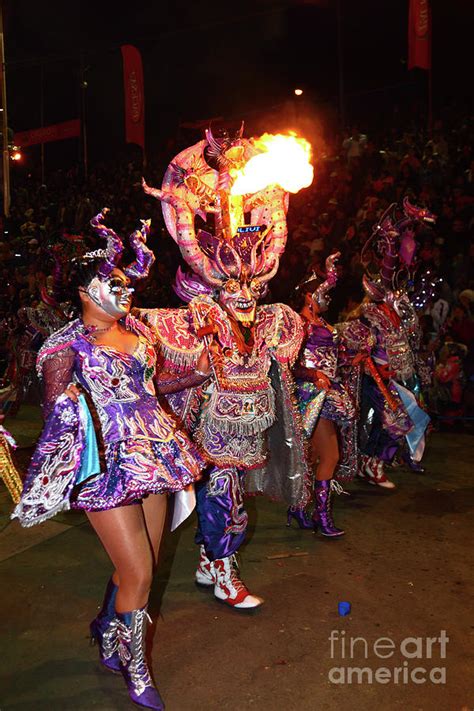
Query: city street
[(403, 566)]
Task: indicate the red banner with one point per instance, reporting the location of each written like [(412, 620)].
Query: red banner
[(55, 132), (133, 95), (419, 34)]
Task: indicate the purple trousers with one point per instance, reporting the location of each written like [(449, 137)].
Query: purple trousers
[(222, 520), (381, 443)]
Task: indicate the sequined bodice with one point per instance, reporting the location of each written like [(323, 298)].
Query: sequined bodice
[(320, 350), (122, 389)]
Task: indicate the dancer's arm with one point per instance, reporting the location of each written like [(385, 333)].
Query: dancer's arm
[(191, 380), (57, 373), (183, 382)]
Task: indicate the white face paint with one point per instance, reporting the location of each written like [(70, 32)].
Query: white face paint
[(322, 301), (113, 295)]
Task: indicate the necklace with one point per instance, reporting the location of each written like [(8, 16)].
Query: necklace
[(93, 331)]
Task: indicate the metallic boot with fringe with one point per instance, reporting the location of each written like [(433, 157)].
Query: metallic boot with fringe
[(131, 632), (322, 515), (298, 515)]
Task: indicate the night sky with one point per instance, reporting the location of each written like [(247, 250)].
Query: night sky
[(237, 60)]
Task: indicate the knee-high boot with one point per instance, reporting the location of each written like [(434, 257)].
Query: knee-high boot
[(322, 515), (131, 632), (102, 633)]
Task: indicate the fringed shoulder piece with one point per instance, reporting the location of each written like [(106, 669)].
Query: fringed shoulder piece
[(174, 336), (378, 318), (285, 331)]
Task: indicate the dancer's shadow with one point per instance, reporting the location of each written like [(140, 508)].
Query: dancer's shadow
[(66, 684), (170, 543), (364, 496), (166, 562)]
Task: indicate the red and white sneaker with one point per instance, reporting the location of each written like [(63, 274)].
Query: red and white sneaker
[(373, 472), (205, 576), (229, 588)]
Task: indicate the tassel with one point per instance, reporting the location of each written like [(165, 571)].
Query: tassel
[(8, 471)]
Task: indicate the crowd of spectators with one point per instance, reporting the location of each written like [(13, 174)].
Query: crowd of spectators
[(356, 180), (356, 177)]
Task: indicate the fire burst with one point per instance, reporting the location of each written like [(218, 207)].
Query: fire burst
[(283, 160)]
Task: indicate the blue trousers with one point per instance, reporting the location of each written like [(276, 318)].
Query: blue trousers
[(222, 519)]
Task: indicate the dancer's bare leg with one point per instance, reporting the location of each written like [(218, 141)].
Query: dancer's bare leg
[(154, 510), (124, 535), (325, 447)]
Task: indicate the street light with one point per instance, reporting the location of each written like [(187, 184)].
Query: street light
[(298, 92)]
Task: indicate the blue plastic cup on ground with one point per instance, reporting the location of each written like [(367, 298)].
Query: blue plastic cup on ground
[(344, 608)]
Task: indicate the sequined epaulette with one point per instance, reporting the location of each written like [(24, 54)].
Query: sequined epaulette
[(284, 330)]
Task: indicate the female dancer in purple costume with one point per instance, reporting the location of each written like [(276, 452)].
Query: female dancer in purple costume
[(323, 400), (108, 357)]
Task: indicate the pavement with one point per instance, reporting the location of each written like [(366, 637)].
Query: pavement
[(405, 565)]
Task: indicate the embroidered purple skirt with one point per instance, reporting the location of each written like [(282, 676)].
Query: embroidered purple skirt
[(138, 467)]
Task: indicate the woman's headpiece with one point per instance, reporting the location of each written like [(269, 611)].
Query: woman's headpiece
[(331, 278), (111, 255)]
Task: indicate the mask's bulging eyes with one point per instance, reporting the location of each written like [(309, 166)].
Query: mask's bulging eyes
[(232, 286), (255, 287)]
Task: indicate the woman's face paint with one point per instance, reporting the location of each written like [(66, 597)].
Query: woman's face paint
[(113, 294), (322, 301)]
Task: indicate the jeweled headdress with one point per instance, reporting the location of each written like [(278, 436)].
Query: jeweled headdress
[(393, 240), (222, 235)]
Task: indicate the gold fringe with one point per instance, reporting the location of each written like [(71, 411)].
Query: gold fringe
[(8, 471)]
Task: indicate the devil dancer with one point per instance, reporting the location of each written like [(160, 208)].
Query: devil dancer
[(380, 341), (324, 401), (108, 448), (244, 420)]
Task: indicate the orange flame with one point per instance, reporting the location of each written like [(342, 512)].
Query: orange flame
[(283, 160)]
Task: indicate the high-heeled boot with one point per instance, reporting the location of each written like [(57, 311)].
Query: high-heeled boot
[(131, 632), (416, 467), (103, 634), (300, 516), (322, 515)]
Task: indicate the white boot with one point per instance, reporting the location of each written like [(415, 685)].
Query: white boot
[(382, 479), (373, 472), (205, 576), (229, 588)]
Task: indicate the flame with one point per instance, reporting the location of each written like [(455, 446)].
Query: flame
[(282, 160)]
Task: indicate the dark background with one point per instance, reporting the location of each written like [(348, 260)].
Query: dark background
[(232, 59)]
